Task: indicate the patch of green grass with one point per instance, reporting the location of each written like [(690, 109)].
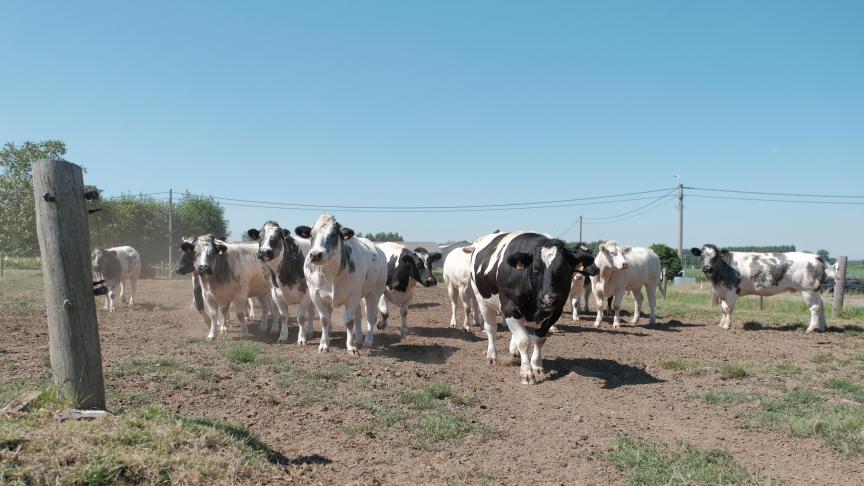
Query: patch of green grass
[(429, 397), (646, 463), (784, 369), (363, 430), (822, 358), (729, 371), (805, 413), (857, 356), (21, 291), (849, 389), (335, 372), (243, 352), (386, 415), (725, 396), (440, 425)]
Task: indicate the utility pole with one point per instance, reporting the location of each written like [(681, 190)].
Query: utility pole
[(580, 229), (839, 287), (64, 244), (681, 223), (170, 230)]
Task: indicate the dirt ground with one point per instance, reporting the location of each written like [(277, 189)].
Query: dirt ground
[(601, 383)]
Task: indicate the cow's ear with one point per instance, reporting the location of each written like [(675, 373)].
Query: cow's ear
[(434, 257), (603, 248), (347, 233), (186, 246), (303, 231), (520, 260), (625, 250), (696, 251), (468, 249), (221, 248), (286, 233), (724, 252), (253, 233)]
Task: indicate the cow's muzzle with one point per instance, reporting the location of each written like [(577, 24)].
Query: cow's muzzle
[(204, 269), (707, 270), (429, 282), (316, 256), (265, 255)]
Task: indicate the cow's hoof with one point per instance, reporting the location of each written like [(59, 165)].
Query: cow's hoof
[(368, 342), (323, 348), (554, 329), (490, 361), (210, 337), (528, 380), (301, 342), (596, 325), (452, 324), (354, 351), (381, 325), (467, 328)]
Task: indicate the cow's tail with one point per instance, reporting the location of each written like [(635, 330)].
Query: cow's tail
[(199, 296), (662, 287)]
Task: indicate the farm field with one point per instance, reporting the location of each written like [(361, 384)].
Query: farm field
[(682, 402)]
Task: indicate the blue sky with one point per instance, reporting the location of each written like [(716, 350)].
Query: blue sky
[(453, 103)]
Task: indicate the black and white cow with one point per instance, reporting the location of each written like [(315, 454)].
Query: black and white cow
[(284, 255), (734, 273), (186, 266), (342, 270), (116, 266), (581, 288), (229, 273), (527, 277), (405, 269)]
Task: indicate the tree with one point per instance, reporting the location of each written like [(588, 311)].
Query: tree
[(17, 210), (198, 215), (826, 257), (382, 236), (668, 259)]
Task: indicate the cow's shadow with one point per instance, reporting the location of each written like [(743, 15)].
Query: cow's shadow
[(758, 326), (423, 305), (612, 372), (446, 332), (576, 328), (416, 353)]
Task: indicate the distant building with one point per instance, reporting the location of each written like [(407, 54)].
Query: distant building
[(446, 248)]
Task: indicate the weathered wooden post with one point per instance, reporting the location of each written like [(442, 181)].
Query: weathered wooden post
[(839, 287), (64, 241), (2, 263), (761, 303)]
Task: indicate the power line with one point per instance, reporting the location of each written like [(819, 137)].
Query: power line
[(792, 201), (776, 193), (656, 205), (667, 195)]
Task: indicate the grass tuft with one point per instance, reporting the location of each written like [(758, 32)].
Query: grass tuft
[(647, 463), (822, 358), (731, 371), (243, 352)]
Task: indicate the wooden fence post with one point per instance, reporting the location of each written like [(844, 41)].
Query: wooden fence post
[(761, 303), (2, 263), (839, 287), (64, 242)]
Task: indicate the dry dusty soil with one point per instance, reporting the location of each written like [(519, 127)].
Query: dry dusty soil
[(357, 421)]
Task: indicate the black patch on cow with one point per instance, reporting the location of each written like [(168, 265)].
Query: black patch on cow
[(347, 259), (722, 273), (221, 271), (197, 294), (303, 231), (398, 272), (487, 283), (186, 262), (816, 273), (291, 267)]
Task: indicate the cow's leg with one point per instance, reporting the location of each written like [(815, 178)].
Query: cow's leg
[(384, 310), (490, 323), (817, 311), (133, 287), (537, 356), (109, 303), (351, 307), (600, 301), (469, 306), (358, 324), (574, 303), (652, 303), (240, 311), (403, 315), (616, 307), (325, 314), (280, 319), (637, 312), (727, 303), (513, 349), (213, 316), (122, 286), (453, 293), (371, 312), (585, 299), (306, 308), (222, 312), (517, 328)]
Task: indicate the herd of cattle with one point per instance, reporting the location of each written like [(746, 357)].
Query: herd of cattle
[(527, 277)]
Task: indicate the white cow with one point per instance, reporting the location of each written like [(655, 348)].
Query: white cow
[(622, 269), (116, 266), (405, 269), (229, 273), (341, 270), (734, 273), (579, 293), (284, 255), (457, 279)]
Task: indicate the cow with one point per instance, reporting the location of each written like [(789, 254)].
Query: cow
[(526, 276), (405, 269), (229, 273), (737, 273), (457, 279), (284, 255), (116, 266), (581, 288), (622, 269), (342, 269)]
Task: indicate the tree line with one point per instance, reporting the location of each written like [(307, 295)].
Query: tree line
[(141, 222)]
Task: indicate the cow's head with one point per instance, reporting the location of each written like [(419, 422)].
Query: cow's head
[(270, 240), (615, 253), (711, 257), (551, 268), (591, 269), (186, 262), (105, 263), (207, 250), (420, 262), (327, 237)]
